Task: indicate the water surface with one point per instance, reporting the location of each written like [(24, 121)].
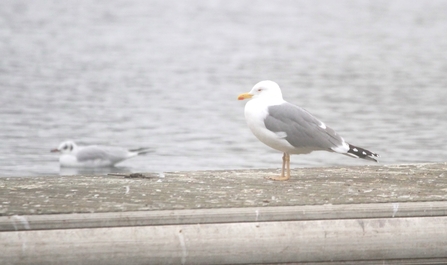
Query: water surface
[(166, 75)]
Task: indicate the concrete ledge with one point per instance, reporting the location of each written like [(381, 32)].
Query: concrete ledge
[(354, 215), (233, 243), (223, 215), (223, 189)]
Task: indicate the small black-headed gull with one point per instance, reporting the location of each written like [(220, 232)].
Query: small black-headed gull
[(291, 129), (92, 156)]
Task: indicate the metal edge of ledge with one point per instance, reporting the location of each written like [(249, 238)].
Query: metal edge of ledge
[(383, 240), (222, 215)]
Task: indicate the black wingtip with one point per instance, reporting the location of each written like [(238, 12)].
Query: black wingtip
[(142, 151), (362, 153)]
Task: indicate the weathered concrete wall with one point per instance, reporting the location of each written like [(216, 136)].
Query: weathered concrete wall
[(350, 215), (223, 189)]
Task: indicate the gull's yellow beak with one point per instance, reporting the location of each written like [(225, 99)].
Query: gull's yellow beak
[(244, 96)]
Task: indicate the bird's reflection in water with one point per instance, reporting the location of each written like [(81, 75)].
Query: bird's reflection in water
[(68, 171)]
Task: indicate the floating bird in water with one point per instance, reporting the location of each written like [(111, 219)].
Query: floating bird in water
[(92, 156), (291, 129)]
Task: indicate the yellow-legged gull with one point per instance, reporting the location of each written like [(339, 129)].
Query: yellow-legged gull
[(291, 129)]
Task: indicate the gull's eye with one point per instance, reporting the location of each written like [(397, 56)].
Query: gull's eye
[(259, 89), (67, 147)]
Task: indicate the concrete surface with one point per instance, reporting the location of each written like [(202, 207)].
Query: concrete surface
[(223, 189), (392, 214)]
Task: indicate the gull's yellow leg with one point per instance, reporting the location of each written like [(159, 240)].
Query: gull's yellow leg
[(285, 167)]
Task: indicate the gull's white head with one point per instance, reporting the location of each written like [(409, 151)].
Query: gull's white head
[(65, 147), (264, 89)]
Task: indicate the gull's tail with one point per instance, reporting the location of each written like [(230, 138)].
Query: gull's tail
[(358, 152), (141, 151)]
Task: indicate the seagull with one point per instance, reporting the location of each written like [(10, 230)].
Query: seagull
[(291, 129), (93, 156)]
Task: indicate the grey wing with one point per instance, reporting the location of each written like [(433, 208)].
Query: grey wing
[(93, 152), (302, 129)]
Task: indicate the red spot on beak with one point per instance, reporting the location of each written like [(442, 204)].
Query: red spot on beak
[(244, 96)]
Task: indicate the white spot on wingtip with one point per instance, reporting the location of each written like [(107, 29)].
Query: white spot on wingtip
[(322, 125), (364, 153), (342, 149), (355, 150)]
